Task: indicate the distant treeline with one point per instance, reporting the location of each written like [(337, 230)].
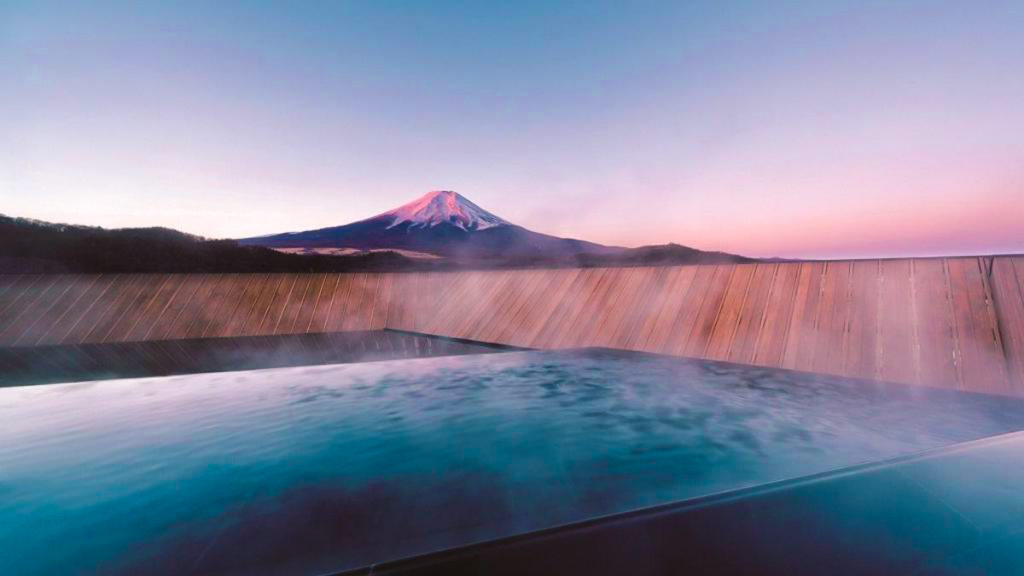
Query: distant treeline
[(28, 246)]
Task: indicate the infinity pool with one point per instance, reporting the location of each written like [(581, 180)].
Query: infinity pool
[(317, 469)]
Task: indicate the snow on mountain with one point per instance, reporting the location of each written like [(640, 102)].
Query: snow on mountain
[(442, 223), (443, 206)]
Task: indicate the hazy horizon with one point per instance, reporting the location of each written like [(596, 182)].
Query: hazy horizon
[(791, 129)]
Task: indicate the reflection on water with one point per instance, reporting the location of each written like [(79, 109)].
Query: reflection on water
[(308, 470)]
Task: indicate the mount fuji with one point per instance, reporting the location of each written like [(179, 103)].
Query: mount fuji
[(441, 223), (446, 224)]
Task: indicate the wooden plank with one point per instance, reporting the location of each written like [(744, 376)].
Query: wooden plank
[(377, 310), (145, 290), (184, 308), (30, 313), (22, 288), (582, 332), (162, 313), (896, 329), (688, 309), (936, 328), (79, 321), (1017, 351), (304, 319), (802, 332), (502, 306), (726, 321), (354, 304), (658, 294), (463, 297), (553, 303), (8, 281), (479, 315), (641, 307), (399, 307), (531, 295), (752, 314), (324, 304), (621, 304), (19, 307), (121, 294), (862, 359), (224, 300), (700, 336), (670, 294), (1007, 284), (339, 309), (60, 316), (261, 307), (567, 303), (246, 314), (982, 362), (278, 304), (771, 343), (292, 305), (833, 320), (151, 308), (203, 306)]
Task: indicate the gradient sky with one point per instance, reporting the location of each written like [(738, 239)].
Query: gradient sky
[(766, 128)]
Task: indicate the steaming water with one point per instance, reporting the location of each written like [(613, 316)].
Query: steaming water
[(309, 470)]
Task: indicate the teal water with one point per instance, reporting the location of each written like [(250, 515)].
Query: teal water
[(316, 469)]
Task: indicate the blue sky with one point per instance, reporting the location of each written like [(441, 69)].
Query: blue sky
[(768, 128)]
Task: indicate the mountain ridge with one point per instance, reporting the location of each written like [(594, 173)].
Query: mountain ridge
[(441, 222)]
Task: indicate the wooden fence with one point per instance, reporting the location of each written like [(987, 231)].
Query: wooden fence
[(955, 322)]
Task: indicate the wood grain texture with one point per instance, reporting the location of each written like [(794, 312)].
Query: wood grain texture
[(956, 322), (1008, 292)]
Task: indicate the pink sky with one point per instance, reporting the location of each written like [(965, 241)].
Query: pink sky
[(797, 129)]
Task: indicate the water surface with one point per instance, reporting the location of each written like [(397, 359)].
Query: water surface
[(316, 469)]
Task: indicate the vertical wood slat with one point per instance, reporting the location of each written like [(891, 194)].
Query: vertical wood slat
[(688, 310), (898, 361), (257, 314), (862, 358), (111, 306), (1008, 292), (832, 323), (542, 316), (324, 304), (48, 331), (36, 311), (802, 340), (227, 295), (13, 299), (935, 334), (21, 307), (580, 332), (771, 343), (603, 316), (979, 348), (203, 306), (512, 330), (146, 289), (726, 321), (547, 336), (753, 314), (674, 295)]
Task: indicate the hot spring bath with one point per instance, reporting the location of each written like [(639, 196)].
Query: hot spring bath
[(316, 469)]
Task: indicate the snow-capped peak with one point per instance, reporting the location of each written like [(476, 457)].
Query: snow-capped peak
[(443, 206)]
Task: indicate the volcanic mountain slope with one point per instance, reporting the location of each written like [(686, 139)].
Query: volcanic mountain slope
[(443, 223)]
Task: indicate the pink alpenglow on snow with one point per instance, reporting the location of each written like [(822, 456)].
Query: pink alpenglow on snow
[(443, 206)]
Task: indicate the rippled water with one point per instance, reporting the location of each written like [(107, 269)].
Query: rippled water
[(309, 470)]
